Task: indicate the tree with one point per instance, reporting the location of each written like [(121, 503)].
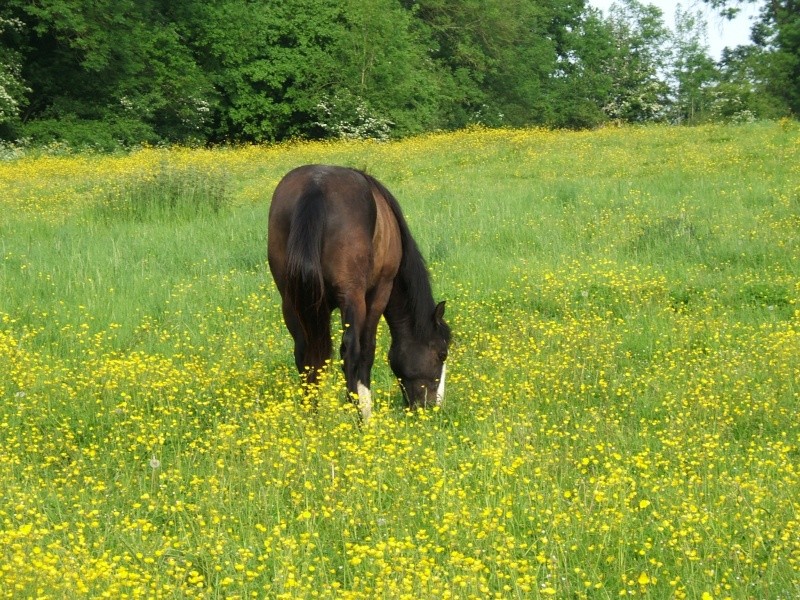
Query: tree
[(778, 32), (582, 83), (498, 59), (269, 63), (384, 78), (693, 70), (111, 72), (741, 94), (461, 42), (777, 35), (314, 68), (636, 68), (105, 71)]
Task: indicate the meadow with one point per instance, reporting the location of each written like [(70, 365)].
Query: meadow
[(621, 417)]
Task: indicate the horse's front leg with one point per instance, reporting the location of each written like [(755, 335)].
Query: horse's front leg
[(375, 305), (353, 320)]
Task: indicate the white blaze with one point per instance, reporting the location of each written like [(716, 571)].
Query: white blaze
[(364, 401), (440, 390)]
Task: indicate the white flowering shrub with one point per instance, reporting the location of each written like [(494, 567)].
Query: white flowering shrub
[(12, 88), (347, 116), (729, 105)]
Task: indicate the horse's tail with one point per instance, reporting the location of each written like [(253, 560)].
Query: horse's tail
[(305, 285)]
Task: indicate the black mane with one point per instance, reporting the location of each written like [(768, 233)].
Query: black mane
[(412, 277)]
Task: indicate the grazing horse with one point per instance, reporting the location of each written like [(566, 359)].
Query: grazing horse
[(338, 239)]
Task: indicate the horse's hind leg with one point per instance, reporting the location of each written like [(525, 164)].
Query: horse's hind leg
[(310, 355), (296, 330)]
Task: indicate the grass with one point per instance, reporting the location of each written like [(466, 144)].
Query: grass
[(621, 416), (168, 194)]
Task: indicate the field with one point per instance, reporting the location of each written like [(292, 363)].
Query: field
[(621, 417)]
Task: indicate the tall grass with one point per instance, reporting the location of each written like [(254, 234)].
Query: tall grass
[(621, 416), (168, 193)]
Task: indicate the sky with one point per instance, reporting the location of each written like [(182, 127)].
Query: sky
[(721, 32)]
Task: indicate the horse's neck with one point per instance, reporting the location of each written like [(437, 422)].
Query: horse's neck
[(398, 313)]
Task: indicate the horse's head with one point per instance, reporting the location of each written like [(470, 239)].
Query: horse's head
[(420, 364)]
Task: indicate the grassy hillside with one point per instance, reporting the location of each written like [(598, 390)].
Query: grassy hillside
[(621, 415)]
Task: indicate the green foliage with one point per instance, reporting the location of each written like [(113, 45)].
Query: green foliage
[(269, 61), (193, 71), (778, 33), (110, 61), (385, 68), (742, 93), (584, 82), (106, 135), (764, 77)]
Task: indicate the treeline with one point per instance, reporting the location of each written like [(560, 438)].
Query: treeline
[(105, 73)]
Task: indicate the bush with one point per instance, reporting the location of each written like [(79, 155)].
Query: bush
[(81, 134)]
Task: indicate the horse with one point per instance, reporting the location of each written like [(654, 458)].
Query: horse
[(337, 238)]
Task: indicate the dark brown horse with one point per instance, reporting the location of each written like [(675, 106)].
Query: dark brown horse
[(338, 239)]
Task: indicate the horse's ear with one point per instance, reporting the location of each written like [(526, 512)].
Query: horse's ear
[(438, 313)]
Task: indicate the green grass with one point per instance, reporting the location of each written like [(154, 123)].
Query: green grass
[(168, 194), (621, 416)]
